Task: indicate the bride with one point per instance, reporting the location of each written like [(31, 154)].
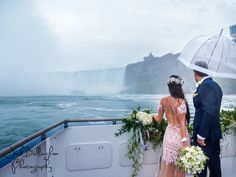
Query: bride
[(176, 109)]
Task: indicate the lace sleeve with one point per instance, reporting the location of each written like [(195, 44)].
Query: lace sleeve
[(182, 108)]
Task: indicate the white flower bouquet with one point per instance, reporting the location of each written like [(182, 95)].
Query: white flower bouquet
[(144, 117), (191, 160), (144, 133)]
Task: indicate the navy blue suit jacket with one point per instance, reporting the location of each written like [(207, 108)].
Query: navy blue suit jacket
[(207, 103)]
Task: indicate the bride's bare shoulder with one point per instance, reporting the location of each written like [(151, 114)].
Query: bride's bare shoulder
[(164, 99)]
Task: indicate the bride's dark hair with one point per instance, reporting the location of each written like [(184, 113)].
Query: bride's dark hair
[(175, 88)]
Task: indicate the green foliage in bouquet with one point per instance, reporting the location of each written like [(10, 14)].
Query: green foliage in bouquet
[(190, 130), (144, 132), (228, 121)]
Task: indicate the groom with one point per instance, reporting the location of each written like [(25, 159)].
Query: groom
[(206, 126)]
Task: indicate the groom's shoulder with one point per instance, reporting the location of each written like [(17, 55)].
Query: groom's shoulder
[(211, 84)]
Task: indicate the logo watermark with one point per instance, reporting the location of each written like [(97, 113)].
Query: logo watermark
[(20, 163)]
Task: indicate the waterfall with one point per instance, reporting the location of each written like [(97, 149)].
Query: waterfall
[(106, 81)]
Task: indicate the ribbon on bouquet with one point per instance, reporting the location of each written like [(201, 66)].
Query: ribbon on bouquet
[(141, 143), (148, 135), (143, 146)]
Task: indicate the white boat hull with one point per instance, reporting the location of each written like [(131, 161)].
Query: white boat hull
[(93, 150)]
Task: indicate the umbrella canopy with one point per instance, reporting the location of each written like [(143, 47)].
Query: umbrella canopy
[(218, 51)]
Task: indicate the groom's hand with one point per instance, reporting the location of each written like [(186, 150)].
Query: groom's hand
[(201, 142)]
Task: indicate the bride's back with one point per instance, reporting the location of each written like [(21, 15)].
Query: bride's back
[(173, 108)]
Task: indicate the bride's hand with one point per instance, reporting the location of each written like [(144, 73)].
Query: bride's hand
[(185, 144)]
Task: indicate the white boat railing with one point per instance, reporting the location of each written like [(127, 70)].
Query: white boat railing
[(17, 149)]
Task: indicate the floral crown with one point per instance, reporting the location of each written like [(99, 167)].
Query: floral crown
[(178, 80)]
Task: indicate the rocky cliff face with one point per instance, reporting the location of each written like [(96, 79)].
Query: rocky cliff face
[(150, 76)]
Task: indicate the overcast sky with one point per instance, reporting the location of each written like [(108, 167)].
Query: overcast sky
[(89, 34), (48, 35)]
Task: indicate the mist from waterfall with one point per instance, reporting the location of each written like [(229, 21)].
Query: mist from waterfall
[(106, 81)]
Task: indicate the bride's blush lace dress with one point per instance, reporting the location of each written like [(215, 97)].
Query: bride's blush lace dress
[(175, 111)]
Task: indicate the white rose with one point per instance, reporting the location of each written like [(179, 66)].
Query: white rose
[(145, 118)]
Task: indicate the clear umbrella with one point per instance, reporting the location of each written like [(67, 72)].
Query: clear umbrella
[(219, 52)]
